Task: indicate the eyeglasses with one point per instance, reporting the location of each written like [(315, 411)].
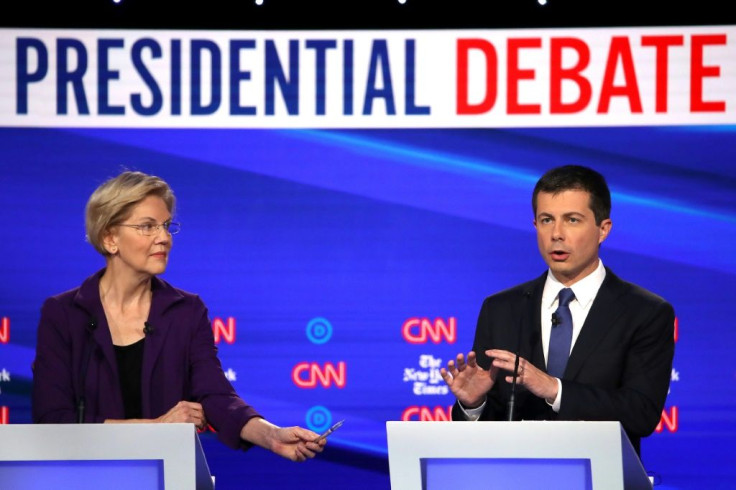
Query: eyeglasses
[(149, 229)]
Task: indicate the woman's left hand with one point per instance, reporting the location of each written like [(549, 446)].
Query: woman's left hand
[(294, 443)]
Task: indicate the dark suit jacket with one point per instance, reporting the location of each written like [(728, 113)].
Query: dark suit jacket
[(619, 368), (74, 347)]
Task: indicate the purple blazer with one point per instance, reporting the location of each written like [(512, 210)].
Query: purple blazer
[(180, 362)]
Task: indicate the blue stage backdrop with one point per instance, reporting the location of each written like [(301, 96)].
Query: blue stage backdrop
[(343, 267)]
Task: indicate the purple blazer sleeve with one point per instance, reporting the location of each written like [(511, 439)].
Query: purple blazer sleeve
[(224, 409), (53, 382)]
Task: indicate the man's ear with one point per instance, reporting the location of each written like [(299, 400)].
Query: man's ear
[(604, 229)]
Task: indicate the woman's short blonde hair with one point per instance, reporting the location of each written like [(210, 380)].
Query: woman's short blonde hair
[(112, 202)]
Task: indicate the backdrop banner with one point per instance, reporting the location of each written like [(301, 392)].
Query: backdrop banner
[(349, 198)]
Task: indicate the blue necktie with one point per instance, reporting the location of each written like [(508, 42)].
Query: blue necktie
[(561, 335)]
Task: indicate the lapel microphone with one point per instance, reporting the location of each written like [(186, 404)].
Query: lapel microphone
[(555, 319), (147, 328)]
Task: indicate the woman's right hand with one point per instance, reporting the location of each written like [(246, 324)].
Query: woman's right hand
[(185, 412)]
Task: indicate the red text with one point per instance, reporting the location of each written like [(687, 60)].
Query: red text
[(419, 330), (621, 79), (425, 413), (4, 330), (309, 374), (224, 331), (669, 420)]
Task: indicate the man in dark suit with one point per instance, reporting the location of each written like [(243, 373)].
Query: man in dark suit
[(618, 336)]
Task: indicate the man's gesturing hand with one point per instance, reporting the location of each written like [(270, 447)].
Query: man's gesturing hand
[(468, 381)]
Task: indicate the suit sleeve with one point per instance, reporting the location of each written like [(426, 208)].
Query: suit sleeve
[(223, 408), (634, 389), (53, 398)]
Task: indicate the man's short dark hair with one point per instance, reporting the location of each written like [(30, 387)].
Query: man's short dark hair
[(577, 177)]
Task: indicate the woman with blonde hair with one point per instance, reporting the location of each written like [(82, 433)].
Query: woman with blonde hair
[(126, 346)]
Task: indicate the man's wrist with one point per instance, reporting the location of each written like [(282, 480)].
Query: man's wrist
[(556, 398), (472, 406)]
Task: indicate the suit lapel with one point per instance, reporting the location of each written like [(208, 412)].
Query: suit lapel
[(604, 312), (164, 296), (88, 298), (531, 315)]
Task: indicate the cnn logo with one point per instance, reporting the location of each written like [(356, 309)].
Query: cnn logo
[(677, 329), (311, 374), (4, 330), (223, 330), (427, 414), (421, 330), (669, 420)]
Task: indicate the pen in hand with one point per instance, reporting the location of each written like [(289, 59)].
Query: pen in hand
[(329, 431)]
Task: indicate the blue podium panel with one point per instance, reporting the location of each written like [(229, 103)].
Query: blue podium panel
[(500, 473), (436, 455), (102, 457), (82, 475)]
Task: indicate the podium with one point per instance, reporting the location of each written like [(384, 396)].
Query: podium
[(520, 455), (102, 457)]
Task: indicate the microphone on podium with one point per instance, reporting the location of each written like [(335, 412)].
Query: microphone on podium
[(511, 406), (88, 348)]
